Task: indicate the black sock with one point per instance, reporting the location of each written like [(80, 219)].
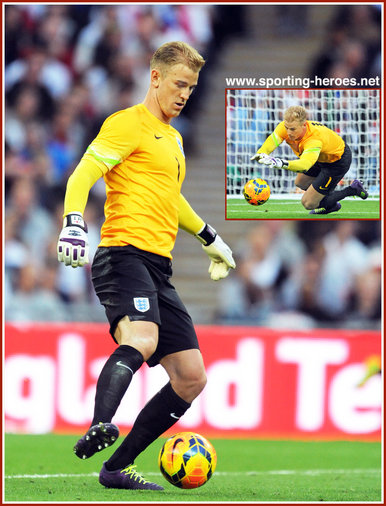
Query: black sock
[(114, 380), (330, 200), (159, 414)]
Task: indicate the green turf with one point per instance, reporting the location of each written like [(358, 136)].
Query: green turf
[(42, 468), (274, 209)]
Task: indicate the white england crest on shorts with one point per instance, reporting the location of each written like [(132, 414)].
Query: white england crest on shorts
[(141, 304)]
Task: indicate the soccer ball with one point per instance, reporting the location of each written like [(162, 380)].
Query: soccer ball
[(256, 192), (187, 460)]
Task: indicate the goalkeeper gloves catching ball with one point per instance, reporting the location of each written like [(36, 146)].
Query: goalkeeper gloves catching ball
[(72, 245), (220, 254)]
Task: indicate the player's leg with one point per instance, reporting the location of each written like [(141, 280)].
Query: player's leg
[(186, 372), (332, 197), (187, 377), (311, 198), (178, 352), (323, 185), (355, 189), (137, 339), (303, 181), (119, 471), (137, 342)]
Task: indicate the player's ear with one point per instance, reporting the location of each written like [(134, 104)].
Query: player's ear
[(155, 77)]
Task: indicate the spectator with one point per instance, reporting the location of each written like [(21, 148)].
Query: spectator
[(17, 34), (366, 299), (35, 297), (35, 227), (306, 273), (58, 86), (353, 44), (346, 257), (15, 252), (263, 265)]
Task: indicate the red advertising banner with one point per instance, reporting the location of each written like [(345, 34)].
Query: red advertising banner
[(261, 382)]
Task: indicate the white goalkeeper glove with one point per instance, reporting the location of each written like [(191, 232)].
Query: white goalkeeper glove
[(73, 242), (274, 163), (220, 254), (258, 157)]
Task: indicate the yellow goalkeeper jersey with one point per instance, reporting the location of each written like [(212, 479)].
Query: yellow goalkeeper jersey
[(145, 168), (319, 144), (317, 137)]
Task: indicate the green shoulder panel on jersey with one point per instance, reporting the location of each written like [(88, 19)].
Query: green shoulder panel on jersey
[(109, 162)]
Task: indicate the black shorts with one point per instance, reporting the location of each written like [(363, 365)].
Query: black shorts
[(129, 281), (328, 175)]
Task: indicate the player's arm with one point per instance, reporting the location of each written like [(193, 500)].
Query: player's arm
[(72, 245), (117, 138), (219, 253), (270, 144), (307, 159)]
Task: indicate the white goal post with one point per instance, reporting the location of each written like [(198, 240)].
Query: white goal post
[(251, 115)]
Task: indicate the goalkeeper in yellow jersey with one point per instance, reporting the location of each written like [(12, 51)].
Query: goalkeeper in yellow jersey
[(141, 158), (323, 159)]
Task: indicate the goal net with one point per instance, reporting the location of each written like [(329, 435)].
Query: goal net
[(252, 115)]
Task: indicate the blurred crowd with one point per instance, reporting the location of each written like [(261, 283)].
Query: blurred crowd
[(353, 43), (67, 67), (306, 274)]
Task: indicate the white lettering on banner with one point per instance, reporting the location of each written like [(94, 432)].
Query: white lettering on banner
[(352, 409), (43, 392), (36, 408), (194, 416), (71, 382), (312, 356), (245, 373), (132, 401), (156, 378)]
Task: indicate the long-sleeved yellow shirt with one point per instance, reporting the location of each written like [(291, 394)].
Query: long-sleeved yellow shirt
[(143, 164), (319, 144)]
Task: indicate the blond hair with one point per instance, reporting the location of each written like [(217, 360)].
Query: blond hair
[(295, 113), (172, 53)]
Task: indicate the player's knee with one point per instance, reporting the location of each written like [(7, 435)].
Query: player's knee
[(196, 382), (308, 203), (190, 385), (143, 336), (200, 383)]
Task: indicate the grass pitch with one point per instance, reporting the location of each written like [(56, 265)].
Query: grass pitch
[(43, 468), (281, 209)]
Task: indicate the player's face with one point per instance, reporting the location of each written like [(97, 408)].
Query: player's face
[(295, 130), (173, 89)]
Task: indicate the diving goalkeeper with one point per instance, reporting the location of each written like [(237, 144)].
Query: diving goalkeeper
[(141, 158), (323, 159)]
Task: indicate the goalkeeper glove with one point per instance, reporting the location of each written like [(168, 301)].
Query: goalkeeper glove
[(274, 163), (258, 157), (73, 242), (220, 254)]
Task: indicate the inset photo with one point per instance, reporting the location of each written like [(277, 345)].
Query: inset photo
[(303, 154)]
